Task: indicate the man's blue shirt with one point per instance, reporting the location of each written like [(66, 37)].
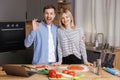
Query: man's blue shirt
[(40, 39)]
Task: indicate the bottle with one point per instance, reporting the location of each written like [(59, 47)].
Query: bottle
[(94, 67), (112, 71), (99, 69), (96, 43)]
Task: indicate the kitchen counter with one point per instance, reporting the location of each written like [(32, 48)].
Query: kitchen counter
[(92, 48), (89, 75), (116, 52)]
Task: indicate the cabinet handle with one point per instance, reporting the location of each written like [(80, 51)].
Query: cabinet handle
[(15, 29)]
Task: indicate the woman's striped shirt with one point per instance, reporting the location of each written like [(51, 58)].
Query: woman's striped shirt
[(70, 42)]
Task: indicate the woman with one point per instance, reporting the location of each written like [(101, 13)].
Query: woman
[(71, 47)]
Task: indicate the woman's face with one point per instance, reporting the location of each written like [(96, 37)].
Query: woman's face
[(65, 20)]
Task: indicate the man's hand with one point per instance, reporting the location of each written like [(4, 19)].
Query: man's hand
[(56, 64), (35, 25)]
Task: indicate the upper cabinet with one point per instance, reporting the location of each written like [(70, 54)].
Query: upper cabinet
[(23, 10), (35, 8), (12, 10)]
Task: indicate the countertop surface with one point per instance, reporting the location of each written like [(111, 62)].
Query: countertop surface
[(93, 48), (88, 75)]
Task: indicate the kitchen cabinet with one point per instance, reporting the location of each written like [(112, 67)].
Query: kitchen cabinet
[(12, 10), (22, 10), (92, 56), (17, 57), (35, 8)]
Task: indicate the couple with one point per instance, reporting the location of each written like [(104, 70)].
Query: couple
[(53, 45)]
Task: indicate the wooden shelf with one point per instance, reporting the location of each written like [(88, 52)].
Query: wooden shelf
[(64, 3), (63, 6)]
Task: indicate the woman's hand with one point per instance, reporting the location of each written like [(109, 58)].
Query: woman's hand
[(35, 25), (88, 64), (56, 64), (84, 38)]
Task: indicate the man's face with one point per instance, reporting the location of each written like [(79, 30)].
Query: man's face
[(49, 16)]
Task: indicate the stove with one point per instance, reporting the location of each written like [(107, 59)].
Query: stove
[(12, 35)]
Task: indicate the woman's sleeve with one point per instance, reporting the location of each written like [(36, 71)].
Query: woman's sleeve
[(59, 47), (83, 49)]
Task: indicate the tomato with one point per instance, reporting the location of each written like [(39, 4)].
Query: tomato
[(65, 71), (71, 73), (52, 73), (58, 75)]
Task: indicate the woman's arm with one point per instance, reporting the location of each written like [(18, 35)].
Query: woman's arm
[(59, 47)]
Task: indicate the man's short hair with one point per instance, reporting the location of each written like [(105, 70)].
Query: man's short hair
[(49, 7)]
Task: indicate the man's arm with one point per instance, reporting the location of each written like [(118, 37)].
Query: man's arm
[(30, 38)]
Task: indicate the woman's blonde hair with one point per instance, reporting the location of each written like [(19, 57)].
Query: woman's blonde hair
[(69, 14)]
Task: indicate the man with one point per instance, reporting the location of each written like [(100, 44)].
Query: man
[(44, 36)]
